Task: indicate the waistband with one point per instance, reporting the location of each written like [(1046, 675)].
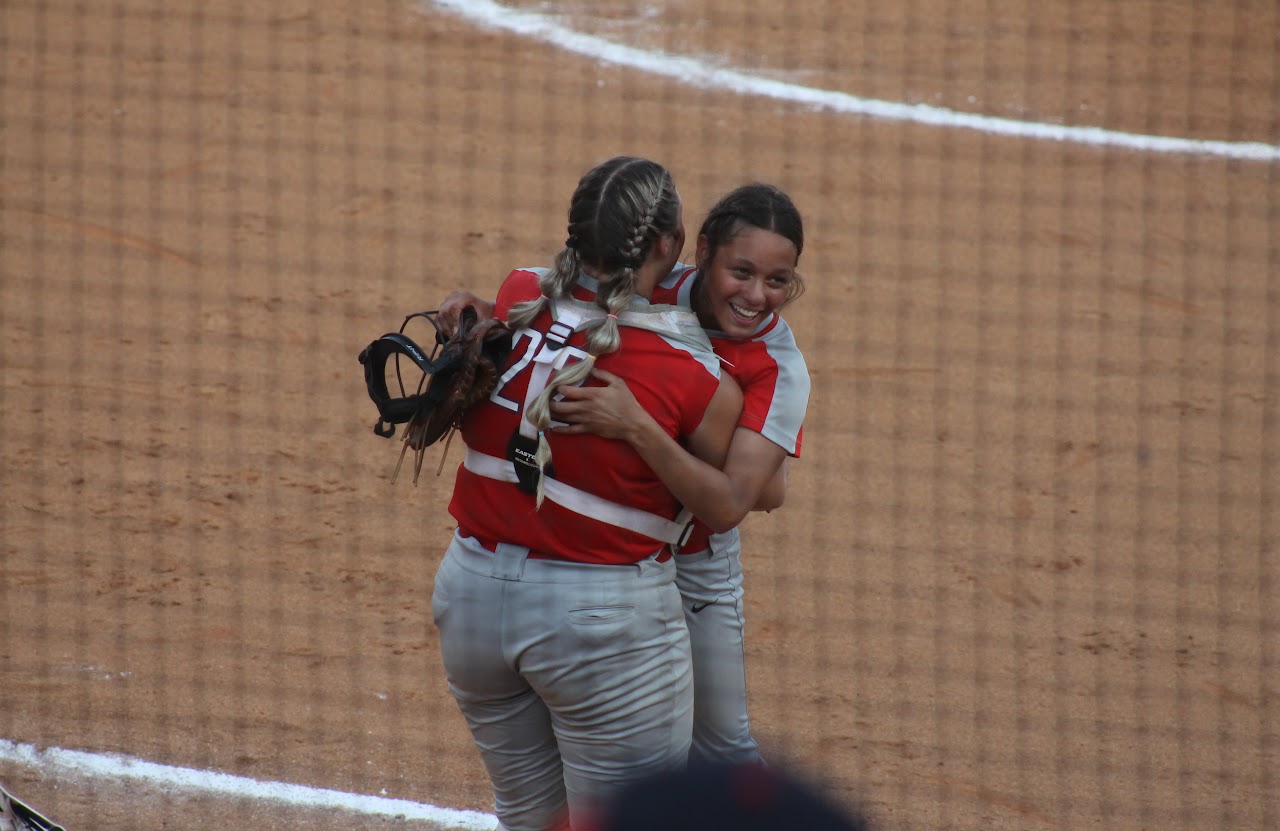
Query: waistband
[(660, 556), (702, 555), (516, 562)]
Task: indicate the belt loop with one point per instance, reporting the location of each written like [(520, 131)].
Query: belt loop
[(509, 560), (653, 564)]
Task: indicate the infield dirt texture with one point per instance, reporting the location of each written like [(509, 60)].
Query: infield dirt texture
[(1026, 575)]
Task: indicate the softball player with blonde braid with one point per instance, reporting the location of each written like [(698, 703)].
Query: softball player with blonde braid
[(561, 627), (747, 252)]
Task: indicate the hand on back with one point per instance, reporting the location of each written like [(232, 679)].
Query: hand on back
[(610, 410)]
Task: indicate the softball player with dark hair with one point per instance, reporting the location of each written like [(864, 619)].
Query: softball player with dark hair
[(562, 632), (747, 252)]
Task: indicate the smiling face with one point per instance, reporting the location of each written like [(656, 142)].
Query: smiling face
[(750, 275)]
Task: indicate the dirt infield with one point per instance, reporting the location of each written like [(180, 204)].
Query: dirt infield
[(1025, 577)]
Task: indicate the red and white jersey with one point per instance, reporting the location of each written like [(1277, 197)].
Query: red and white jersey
[(671, 380), (769, 368)]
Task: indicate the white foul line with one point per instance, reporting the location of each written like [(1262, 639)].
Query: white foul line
[(117, 767), (702, 74)]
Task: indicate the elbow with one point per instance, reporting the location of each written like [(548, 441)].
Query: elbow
[(771, 502), (723, 521)]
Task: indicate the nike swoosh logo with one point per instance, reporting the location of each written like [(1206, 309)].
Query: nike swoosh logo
[(698, 607)]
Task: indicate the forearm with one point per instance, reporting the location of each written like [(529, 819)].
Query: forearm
[(692, 469), (702, 488)]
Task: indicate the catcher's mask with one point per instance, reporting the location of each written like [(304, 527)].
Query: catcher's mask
[(436, 367), (22, 817)]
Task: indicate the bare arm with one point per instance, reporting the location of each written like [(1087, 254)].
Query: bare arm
[(775, 490), (718, 497)]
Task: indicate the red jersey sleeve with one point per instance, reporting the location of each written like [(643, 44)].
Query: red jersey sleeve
[(520, 285), (775, 383)]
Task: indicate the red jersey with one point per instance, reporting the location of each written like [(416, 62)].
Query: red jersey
[(768, 366), (673, 381)]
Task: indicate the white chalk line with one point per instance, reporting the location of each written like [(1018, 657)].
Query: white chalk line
[(118, 767), (701, 74)]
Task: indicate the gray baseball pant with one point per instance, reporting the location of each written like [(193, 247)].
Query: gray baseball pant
[(574, 679), (710, 584)]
